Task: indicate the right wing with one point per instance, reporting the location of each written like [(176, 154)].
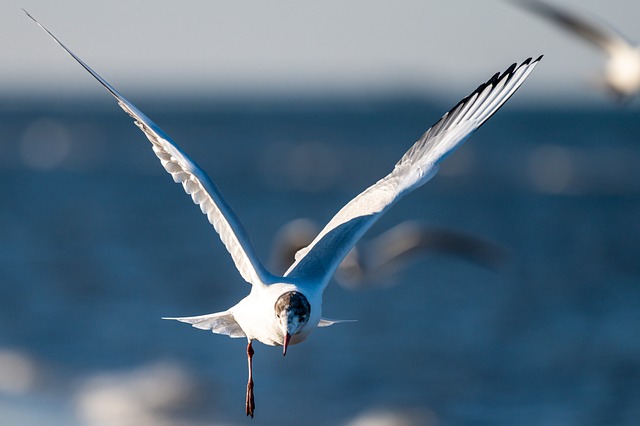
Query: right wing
[(316, 263), (195, 182)]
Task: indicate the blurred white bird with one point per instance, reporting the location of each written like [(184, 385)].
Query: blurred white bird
[(372, 263), (622, 71), (283, 310)]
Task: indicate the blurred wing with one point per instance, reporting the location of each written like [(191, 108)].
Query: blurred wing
[(289, 239), (316, 263), (601, 35), (195, 182), (398, 246)]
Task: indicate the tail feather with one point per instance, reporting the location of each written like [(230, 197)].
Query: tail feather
[(220, 323), (326, 322)]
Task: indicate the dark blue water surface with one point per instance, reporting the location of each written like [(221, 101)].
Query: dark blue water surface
[(97, 243)]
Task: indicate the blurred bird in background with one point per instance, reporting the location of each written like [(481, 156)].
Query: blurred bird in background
[(621, 75), (374, 262)]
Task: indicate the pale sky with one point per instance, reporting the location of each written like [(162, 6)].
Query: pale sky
[(296, 46)]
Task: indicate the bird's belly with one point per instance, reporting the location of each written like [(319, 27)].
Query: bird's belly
[(277, 339), (264, 332), (269, 341), (271, 335)]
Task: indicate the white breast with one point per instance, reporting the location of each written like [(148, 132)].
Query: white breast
[(256, 315)]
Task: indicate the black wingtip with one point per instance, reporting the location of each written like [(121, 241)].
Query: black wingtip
[(511, 69), (527, 61), (36, 21), (508, 73), (492, 80), (28, 14)]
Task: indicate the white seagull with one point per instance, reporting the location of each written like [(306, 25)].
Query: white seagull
[(622, 70), (371, 263), (283, 310)]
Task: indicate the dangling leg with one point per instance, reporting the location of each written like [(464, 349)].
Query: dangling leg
[(250, 403)]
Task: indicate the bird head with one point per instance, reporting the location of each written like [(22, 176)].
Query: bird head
[(292, 310)]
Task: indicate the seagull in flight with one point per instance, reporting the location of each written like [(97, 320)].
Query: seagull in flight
[(371, 263), (282, 310), (622, 71)]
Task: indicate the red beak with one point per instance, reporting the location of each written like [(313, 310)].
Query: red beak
[(287, 337)]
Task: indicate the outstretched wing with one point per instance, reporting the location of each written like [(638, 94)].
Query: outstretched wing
[(316, 263), (601, 35), (195, 182)]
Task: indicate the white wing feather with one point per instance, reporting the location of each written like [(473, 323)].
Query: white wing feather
[(195, 182), (316, 263)]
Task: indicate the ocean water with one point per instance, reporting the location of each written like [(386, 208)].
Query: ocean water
[(97, 243)]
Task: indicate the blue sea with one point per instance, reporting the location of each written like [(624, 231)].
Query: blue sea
[(97, 244)]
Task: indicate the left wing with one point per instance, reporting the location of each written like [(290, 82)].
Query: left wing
[(195, 183), (316, 263)]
